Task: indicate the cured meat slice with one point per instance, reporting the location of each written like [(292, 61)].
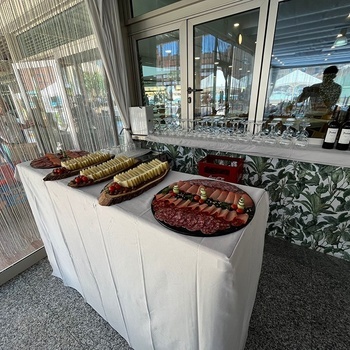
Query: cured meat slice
[(201, 207), (185, 186), (177, 201), (160, 196), (215, 195), (223, 213), (166, 196), (171, 199), (230, 197), (243, 217), (237, 197), (216, 212), (193, 189), (230, 216), (209, 210), (222, 197), (180, 183), (184, 203), (193, 205)]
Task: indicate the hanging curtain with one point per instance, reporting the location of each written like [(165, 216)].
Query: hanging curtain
[(105, 21), (55, 93)]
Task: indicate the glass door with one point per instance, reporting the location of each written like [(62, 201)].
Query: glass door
[(208, 66), (159, 60), (225, 62)]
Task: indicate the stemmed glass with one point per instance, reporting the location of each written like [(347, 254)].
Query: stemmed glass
[(215, 127), (260, 134), (235, 128), (244, 135), (287, 135), (157, 126), (302, 137), (272, 136)]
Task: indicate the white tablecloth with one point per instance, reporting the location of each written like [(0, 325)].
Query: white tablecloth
[(157, 288)]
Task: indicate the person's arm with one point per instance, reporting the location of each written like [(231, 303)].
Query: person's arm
[(305, 94)]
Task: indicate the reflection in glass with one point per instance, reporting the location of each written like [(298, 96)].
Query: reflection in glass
[(140, 7), (159, 58), (308, 39), (223, 64)]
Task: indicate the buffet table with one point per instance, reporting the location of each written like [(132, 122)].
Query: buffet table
[(159, 289)]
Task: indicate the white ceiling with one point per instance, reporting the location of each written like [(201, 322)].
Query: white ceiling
[(306, 31)]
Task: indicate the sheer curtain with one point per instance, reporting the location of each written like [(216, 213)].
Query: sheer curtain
[(106, 24), (53, 84)]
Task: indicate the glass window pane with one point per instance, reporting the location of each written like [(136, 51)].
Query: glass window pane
[(159, 58), (140, 7), (308, 40), (224, 52)]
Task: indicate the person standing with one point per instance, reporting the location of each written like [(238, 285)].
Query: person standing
[(323, 96)]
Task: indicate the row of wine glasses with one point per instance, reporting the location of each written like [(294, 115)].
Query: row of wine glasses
[(283, 132), (294, 132)]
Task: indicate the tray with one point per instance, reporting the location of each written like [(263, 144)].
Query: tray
[(73, 184), (46, 163), (68, 173), (106, 199), (208, 183)]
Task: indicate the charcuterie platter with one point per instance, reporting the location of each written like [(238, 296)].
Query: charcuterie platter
[(132, 183), (53, 160), (203, 207), (72, 167), (103, 172)]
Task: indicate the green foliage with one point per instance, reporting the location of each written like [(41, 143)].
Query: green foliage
[(309, 203)]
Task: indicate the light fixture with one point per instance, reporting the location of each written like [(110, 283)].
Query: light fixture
[(236, 25), (341, 39), (240, 39)]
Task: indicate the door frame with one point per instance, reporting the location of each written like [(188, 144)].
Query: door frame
[(185, 27)]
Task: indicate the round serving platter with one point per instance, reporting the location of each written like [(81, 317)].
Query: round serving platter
[(213, 184)]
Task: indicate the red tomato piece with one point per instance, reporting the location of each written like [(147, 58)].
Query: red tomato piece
[(111, 189), (196, 198), (78, 180)]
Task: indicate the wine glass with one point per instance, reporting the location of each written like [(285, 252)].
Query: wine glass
[(273, 134), (288, 134), (302, 137), (260, 134)]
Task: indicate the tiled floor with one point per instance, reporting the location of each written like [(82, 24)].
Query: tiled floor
[(303, 302)]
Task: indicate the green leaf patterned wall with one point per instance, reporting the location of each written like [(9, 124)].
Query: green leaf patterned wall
[(309, 203)]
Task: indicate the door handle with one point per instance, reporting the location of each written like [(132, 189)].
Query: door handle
[(190, 90)]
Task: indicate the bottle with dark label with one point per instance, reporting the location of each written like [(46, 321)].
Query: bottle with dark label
[(344, 136), (332, 131)]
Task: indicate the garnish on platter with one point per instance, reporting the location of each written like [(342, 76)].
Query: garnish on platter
[(132, 183), (102, 172), (203, 207), (53, 160), (73, 166)]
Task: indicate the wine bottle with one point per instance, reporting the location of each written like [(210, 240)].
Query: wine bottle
[(344, 138), (332, 131)]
